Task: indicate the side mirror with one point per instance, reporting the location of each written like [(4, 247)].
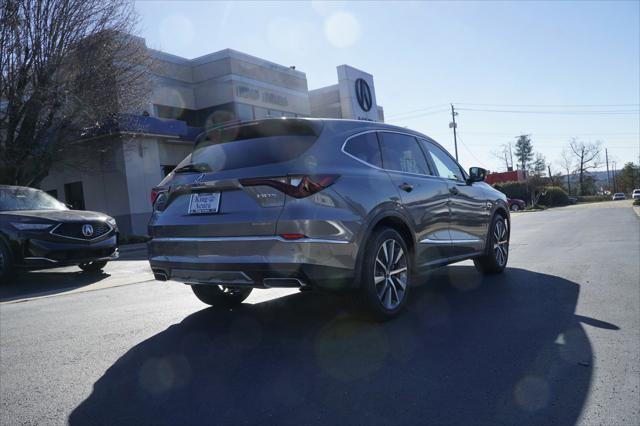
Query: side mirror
[(476, 174)]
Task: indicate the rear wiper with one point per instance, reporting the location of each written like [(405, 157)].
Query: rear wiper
[(196, 167)]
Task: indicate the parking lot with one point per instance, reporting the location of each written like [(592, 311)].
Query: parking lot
[(553, 340)]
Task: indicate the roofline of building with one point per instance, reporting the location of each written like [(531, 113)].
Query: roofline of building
[(223, 54)]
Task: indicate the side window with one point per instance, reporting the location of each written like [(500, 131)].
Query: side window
[(365, 147), (402, 153), (446, 166)]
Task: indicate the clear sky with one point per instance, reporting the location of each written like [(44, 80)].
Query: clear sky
[(574, 65)]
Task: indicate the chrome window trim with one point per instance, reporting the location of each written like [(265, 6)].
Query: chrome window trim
[(254, 238), (344, 144), (81, 239)]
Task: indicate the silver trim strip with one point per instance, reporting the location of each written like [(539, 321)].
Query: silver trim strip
[(254, 238), (40, 258), (430, 241)]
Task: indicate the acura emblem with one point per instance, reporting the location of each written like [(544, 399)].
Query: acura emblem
[(363, 94), (87, 230)]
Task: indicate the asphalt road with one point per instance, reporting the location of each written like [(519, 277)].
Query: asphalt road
[(553, 340)]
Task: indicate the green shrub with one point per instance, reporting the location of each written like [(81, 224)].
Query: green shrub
[(636, 202), (513, 189), (554, 196)]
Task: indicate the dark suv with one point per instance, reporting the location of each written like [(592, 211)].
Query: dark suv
[(321, 203)]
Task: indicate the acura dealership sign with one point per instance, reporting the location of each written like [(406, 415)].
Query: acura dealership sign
[(363, 94), (357, 94)]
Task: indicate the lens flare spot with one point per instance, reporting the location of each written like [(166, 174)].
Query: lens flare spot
[(342, 29)]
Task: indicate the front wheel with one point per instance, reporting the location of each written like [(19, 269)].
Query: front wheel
[(386, 271), (497, 251), (221, 296)]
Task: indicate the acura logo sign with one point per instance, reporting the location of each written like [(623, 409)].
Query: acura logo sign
[(363, 94), (87, 230)]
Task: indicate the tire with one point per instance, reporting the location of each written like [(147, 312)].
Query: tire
[(515, 207), (386, 274), (93, 267), (6, 264), (221, 296), (494, 261)]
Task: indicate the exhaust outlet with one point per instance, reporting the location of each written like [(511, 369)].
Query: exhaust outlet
[(160, 275)]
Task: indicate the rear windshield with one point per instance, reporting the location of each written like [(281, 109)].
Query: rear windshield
[(253, 144), (14, 199)]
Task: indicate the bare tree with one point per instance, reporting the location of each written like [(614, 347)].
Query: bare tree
[(567, 164), (503, 155), (587, 157), (68, 67)]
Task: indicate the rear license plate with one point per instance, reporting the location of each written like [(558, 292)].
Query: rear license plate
[(204, 203)]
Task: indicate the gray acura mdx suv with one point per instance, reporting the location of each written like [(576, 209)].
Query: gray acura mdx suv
[(320, 203)]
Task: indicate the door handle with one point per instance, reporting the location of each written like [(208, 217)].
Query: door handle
[(406, 187), (453, 190)]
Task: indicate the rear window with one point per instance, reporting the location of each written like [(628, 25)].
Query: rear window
[(254, 144)]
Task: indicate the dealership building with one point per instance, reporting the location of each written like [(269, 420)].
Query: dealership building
[(188, 96)]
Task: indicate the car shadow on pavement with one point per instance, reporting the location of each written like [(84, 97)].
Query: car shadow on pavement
[(25, 284), (469, 350)]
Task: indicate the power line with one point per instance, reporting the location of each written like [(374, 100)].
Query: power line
[(418, 115), (551, 105), (610, 112), (418, 110)]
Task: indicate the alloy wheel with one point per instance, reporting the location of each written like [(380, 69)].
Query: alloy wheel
[(231, 291), (500, 242), (390, 274)]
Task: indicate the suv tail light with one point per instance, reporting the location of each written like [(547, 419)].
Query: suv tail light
[(157, 195), (294, 186)]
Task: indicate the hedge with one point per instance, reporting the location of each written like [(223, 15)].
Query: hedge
[(513, 189), (554, 196)]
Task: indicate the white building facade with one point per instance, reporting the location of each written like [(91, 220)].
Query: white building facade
[(188, 96)]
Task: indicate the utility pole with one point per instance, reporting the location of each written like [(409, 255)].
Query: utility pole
[(606, 155), (550, 175), (453, 126)]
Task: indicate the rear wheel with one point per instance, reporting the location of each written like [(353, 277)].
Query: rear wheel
[(497, 251), (5, 262), (385, 274), (515, 207), (96, 266), (221, 296)]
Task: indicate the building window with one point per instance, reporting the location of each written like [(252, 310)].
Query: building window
[(244, 112), (74, 195), (260, 113)]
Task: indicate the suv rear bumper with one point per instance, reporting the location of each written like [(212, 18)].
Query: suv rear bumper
[(261, 261)]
